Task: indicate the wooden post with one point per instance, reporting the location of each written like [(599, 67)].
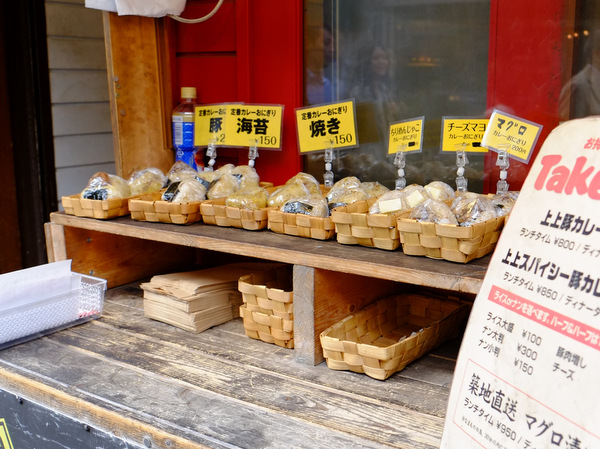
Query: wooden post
[(305, 347), (140, 87)]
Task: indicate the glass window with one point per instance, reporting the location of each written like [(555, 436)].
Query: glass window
[(402, 59)]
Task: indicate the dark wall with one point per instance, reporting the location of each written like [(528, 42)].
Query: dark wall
[(26, 150)]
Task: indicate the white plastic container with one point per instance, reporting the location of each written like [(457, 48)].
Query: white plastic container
[(44, 315)]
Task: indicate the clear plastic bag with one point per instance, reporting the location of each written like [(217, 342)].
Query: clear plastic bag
[(504, 202), (253, 198), (247, 175), (309, 181), (439, 190), (295, 189), (148, 180), (433, 211), (470, 208), (399, 200), (314, 205), (179, 171), (104, 186), (374, 189), (227, 184), (185, 191)]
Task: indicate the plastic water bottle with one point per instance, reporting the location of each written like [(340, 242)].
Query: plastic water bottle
[(183, 127)]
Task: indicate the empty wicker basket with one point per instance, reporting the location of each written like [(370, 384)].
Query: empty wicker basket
[(268, 309), (388, 334)]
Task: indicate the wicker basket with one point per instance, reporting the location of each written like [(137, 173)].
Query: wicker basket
[(355, 226), (103, 209), (150, 207), (301, 225), (449, 242), (268, 309), (388, 334), (215, 212)]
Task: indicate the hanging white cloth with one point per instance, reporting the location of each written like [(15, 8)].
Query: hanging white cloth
[(147, 8)]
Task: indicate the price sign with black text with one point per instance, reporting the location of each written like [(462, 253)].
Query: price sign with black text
[(332, 125)]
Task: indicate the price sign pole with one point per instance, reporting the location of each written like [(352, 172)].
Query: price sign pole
[(252, 152), (211, 152), (400, 163), (209, 129), (461, 162), (255, 126), (462, 136), (405, 137), (325, 128), (329, 157), (503, 162), (510, 137)]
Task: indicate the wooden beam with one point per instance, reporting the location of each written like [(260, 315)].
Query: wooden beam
[(139, 86), (56, 248)]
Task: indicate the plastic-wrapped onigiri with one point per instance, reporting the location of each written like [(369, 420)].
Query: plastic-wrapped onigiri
[(104, 186)]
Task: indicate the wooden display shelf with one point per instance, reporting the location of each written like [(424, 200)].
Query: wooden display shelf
[(127, 381), (331, 280)]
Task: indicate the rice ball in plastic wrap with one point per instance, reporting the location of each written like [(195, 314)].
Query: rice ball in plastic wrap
[(227, 168), (344, 184), (253, 198), (470, 208), (185, 191), (296, 189), (504, 202), (247, 175), (374, 189), (105, 186), (207, 177), (147, 180), (180, 170), (433, 211), (227, 184), (347, 196), (399, 200), (308, 180), (314, 205), (392, 195), (439, 190)]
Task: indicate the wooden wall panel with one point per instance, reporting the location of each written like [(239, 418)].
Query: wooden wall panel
[(82, 129), (140, 91)]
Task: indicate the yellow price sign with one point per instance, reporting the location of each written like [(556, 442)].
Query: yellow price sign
[(457, 131), (321, 126), (407, 134), (519, 136), (209, 124), (247, 124)]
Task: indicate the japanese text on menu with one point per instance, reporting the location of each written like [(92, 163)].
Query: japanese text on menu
[(547, 323)]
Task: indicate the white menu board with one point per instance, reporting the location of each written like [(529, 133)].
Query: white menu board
[(527, 375)]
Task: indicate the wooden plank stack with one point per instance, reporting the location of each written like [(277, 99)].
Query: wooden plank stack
[(197, 300)]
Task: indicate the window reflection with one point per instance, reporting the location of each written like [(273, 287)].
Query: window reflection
[(398, 60)]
